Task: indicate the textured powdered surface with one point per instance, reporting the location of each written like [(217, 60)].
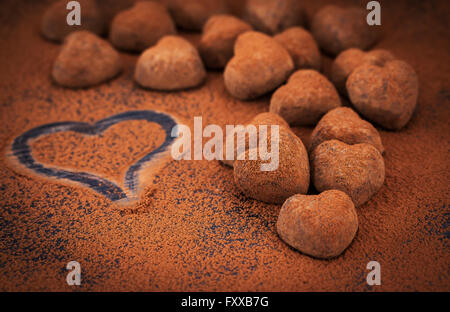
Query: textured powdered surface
[(194, 230)]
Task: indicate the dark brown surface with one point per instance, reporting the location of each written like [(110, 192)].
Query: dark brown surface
[(193, 229)]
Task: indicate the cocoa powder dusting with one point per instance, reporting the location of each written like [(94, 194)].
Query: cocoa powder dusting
[(192, 229), (108, 154)]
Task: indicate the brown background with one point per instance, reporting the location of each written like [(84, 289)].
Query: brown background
[(193, 230)]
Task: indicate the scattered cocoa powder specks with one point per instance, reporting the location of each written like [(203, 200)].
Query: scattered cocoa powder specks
[(199, 232)]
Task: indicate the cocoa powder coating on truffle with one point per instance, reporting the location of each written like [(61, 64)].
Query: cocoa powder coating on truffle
[(172, 64), (193, 229), (348, 60), (141, 26), (85, 60), (291, 177), (301, 46), (193, 14), (337, 29), (273, 16), (54, 22), (322, 226), (110, 8), (260, 64), (306, 97), (344, 124), (385, 94), (217, 42), (357, 170), (267, 119)]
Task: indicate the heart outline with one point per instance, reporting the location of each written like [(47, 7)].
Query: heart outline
[(22, 151)]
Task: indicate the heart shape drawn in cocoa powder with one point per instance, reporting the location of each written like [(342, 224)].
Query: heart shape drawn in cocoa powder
[(22, 152)]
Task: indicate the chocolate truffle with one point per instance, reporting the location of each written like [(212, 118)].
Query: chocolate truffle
[(291, 177), (193, 14), (344, 124), (85, 60), (301, 46), (322, 226), (337, 29), (141, 26), (172, 64), (357, 170), (306, 97), (260, 64), (348, 60), (384, 94), (111, 8), (273, 16), (217, 42), (267, 119), (54, 22)]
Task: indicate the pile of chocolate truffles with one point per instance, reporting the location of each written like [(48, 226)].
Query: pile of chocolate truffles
[(266, 49)]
